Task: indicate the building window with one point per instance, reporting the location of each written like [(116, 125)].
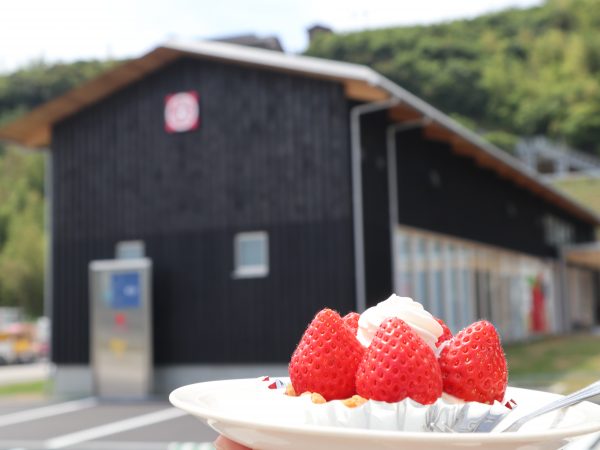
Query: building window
[(461, 281), (557, 232), (251, 254)]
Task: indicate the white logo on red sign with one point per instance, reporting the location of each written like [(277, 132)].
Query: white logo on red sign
[(182, 112)]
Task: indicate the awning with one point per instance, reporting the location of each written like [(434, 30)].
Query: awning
[(587, 254)]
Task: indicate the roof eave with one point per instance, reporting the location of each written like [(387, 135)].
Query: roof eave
[(34, 129)]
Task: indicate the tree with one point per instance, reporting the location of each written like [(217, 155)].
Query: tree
[(22, 239)]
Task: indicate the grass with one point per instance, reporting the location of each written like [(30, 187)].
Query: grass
[(561, 364), (586, 190), (32, 388)]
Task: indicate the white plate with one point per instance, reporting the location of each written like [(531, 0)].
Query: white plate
[(242, 411)]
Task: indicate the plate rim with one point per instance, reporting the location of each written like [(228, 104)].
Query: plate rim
[(360, 433)]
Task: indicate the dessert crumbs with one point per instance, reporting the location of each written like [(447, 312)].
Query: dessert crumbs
[(289, 390), (315, 397), (354, 401)]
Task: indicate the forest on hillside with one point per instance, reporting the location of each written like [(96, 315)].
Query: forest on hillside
[(519, 72), (508, 74), (22, 234)]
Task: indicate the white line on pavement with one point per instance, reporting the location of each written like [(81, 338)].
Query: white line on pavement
[(46, 411), (113, 428), (100, 445), (191, 446)]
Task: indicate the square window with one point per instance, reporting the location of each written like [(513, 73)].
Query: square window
[(251, 254)]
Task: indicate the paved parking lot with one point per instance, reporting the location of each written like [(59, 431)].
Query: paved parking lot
[(36, 423), (91, 424)]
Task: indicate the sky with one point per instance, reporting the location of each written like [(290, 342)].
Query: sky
[(68, 30)]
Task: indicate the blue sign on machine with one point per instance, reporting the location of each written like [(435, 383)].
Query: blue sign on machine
[(126, 290)]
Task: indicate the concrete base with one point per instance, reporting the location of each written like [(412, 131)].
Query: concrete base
[(77, 380), (72, 380)]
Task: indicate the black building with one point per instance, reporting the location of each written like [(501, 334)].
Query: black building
[(300, 183)]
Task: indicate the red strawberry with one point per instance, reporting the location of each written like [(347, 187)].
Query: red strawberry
[(351, 319), (446, 335), (399, 364), (473, 364), (326, 358)]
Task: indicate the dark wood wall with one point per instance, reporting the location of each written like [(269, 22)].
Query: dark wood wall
[(443, 192), (272, 153)]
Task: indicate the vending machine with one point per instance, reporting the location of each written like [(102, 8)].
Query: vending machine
[(121, 327)]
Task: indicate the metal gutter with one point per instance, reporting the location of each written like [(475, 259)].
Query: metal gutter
[(357, 204)]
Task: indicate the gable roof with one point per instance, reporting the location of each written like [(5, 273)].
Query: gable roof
[(361, 83)]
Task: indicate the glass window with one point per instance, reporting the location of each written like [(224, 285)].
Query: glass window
[(450, 297), (461, 281), (403, 273), (435, 278), (251, 254), (420, 271)]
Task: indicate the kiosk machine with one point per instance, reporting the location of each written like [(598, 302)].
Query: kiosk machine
[(121, 327)]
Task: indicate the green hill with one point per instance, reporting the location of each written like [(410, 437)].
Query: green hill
[(517, 72), (586, 190), (22, 237)]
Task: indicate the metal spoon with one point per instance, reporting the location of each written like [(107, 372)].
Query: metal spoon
[(576, 397)]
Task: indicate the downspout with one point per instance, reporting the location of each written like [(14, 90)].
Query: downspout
[(357, 204), (392, 131)]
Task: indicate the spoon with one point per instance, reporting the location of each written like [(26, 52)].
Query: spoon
[(576, 397)]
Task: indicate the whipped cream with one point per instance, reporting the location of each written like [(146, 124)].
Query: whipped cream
[(405, 308)]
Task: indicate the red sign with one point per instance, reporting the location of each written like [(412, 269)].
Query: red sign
[(182, 112), (120, 320)]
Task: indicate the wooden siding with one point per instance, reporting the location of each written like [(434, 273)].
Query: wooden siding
[(272, 154), (471, 202)]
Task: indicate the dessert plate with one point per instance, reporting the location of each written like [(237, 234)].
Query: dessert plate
[(263, 419)]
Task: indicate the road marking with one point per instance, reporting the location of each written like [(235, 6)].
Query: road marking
[(46, 411), (104, 445), (113, 428), (191, 446)]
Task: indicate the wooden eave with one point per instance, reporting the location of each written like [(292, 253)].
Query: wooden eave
[(584, 255)]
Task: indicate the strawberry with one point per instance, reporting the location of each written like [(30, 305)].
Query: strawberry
[(326, 358), (473, 364), (399, 364), (446, 335), (351, 320)]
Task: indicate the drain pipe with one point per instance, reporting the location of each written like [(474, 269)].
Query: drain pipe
[(357, 204), (393, 131)]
